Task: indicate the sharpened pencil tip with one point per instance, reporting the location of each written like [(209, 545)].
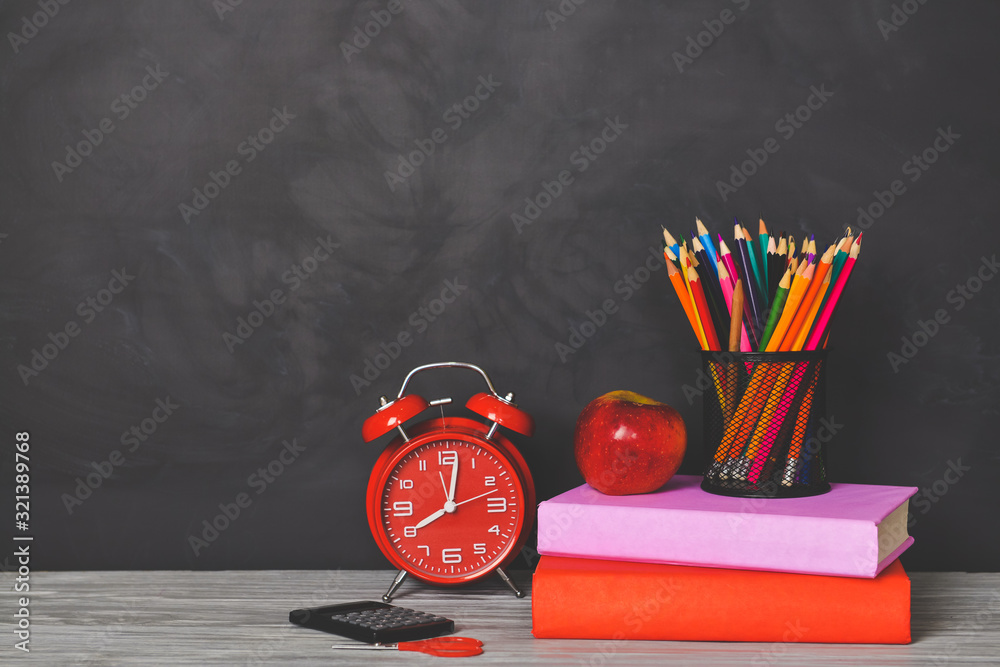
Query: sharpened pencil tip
[(668, 237)]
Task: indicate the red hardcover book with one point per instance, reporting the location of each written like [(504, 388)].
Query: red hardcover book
[(577, 598)]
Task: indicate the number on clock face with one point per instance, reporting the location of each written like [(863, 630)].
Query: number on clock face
[(452, 508)]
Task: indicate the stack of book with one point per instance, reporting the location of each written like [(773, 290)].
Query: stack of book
[(684, 564)]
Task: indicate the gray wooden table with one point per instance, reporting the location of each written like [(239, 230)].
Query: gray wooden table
[(241, 618)]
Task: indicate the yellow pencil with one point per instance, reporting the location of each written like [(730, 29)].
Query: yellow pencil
[(803, 333), (799, 286), (821, 269)]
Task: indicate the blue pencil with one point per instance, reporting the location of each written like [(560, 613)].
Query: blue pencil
[(752, 289), (706, 240)]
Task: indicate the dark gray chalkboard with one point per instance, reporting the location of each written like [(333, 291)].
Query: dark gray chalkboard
[(171, 169)]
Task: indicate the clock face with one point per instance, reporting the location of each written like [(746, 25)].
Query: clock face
[(451, 509)]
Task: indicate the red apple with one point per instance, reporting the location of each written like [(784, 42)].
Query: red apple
[(625, 443)]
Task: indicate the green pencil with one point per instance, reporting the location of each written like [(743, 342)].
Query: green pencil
[(764, 239), (752, 251), (779, 302)]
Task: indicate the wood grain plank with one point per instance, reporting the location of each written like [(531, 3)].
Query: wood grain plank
[(241, 618)]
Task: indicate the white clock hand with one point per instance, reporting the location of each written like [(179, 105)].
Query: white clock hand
[(476, 498), (454, 478), (433, 517), (444, 486)]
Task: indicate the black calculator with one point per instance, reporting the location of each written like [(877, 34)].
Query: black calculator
[(373, 622)]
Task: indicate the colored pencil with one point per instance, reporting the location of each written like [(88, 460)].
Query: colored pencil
[(799, 317), (843, 248), (772, 268), (699, 310), (706, 241), (710, 283), (803, 276), (690, 253), (799, 431), (817, 282), (726, 257), (839, 257), (823, 320), (750, 290), (779, 401), (737, 332), (697, 250), (765, 427), (684, 268), (776, 306), (747, 415), (763, 239), (800, 338), (692, 298), (754, 264), (672, 244), (785, 252), (737, 342), (736, 273), (690, 258), (728, 295), (702, 306), (678, 282), (729, 447)]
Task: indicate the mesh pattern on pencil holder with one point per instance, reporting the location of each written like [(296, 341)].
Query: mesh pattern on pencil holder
[(761, 415)]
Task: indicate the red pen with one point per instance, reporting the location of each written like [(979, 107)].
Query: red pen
[(443, 647)]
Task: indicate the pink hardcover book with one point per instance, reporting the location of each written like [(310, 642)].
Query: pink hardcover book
[(854, 530)]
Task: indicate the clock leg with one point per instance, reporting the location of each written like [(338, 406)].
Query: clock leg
[(510, 583), (396, 583)]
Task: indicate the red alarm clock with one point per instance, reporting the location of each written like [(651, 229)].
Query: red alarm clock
[(450, 500)]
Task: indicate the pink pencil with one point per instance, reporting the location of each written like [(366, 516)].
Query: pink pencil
[(786, 395), (726, 259), (727, 293), (782, 393), (823, 319)]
